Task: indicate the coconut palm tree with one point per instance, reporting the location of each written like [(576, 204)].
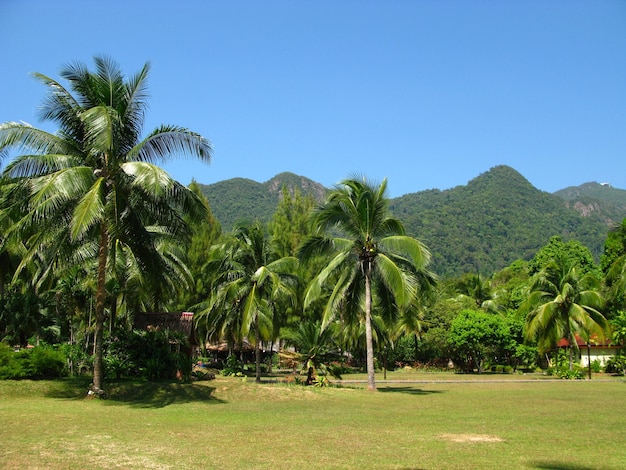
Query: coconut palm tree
[(315, 348), (561, 304), (253, 280), (375, 261), (95, 184)]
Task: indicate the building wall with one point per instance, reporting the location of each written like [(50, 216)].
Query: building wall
[(600, 354)]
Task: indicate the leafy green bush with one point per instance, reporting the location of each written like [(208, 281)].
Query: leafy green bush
[(232, 367), (41, 362), (570, 374), (596, 366), (10, 367), (616, 365), (152, 355)]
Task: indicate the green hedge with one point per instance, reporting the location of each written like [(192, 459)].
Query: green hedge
[(41, 362)]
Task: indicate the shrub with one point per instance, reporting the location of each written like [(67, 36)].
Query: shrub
[(41, 362), (596, 366), (146, 354), (232, 367), (570, 374), (10, 367), (47, 363), (616, 365)]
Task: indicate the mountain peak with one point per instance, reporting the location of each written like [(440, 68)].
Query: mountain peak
[(501, 176), (292, 181)]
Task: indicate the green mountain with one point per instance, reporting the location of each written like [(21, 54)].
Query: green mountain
[(497, 218), (600, 191), (599, 201), (243, 200)]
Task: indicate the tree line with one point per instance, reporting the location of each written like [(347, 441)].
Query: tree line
[(93, 233)]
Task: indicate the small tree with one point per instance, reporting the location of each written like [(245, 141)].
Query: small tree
[(476, 337)]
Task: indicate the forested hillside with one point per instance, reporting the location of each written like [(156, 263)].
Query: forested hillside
[(598, 201), (243, 200), (496, 218)]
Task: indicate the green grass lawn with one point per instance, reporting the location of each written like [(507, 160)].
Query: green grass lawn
[(232, 423)]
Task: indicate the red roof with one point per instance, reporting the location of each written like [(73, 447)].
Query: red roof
[(595, 342)]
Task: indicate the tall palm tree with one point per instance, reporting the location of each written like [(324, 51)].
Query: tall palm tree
[(94, 183), (376, 263), (252, 281), (562, 304)]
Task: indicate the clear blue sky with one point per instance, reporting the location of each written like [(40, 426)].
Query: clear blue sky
[(428, 94)]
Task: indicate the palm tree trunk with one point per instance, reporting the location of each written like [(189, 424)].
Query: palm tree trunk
[(371, 380), (98, 370), (257, 349), (571, 360)]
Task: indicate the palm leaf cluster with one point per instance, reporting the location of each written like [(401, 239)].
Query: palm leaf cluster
[(563, 304)]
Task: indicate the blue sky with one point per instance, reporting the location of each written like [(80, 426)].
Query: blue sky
[(427, 94)]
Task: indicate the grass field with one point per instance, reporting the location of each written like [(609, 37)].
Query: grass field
[(471, 422)]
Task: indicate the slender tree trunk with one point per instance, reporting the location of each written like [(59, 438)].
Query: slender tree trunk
[(113, 314), (371, 380), (258, 349), (98, 370), (570, 353), (556, 358)]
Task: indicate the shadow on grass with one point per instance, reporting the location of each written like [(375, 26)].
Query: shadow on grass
[(553, 465), (139, 394), (409, 390), (68, 389)]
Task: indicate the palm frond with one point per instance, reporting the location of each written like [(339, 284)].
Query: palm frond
[(89, 210), (171, 141)]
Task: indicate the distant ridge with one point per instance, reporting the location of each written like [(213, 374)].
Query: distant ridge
[(599, 201), (244, 200), (496, 218)]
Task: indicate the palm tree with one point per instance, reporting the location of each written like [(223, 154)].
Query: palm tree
[(252, 281), (562, 304), (94, 184), (314, 347), (377, 263)]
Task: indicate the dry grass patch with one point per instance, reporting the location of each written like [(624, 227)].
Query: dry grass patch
[(470, 438)]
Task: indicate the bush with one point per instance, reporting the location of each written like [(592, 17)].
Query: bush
[(232, 367), (41, 362), (10, 368), (570, 374), (47, 363), (616, 365), (596, 366), (146, 354)]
